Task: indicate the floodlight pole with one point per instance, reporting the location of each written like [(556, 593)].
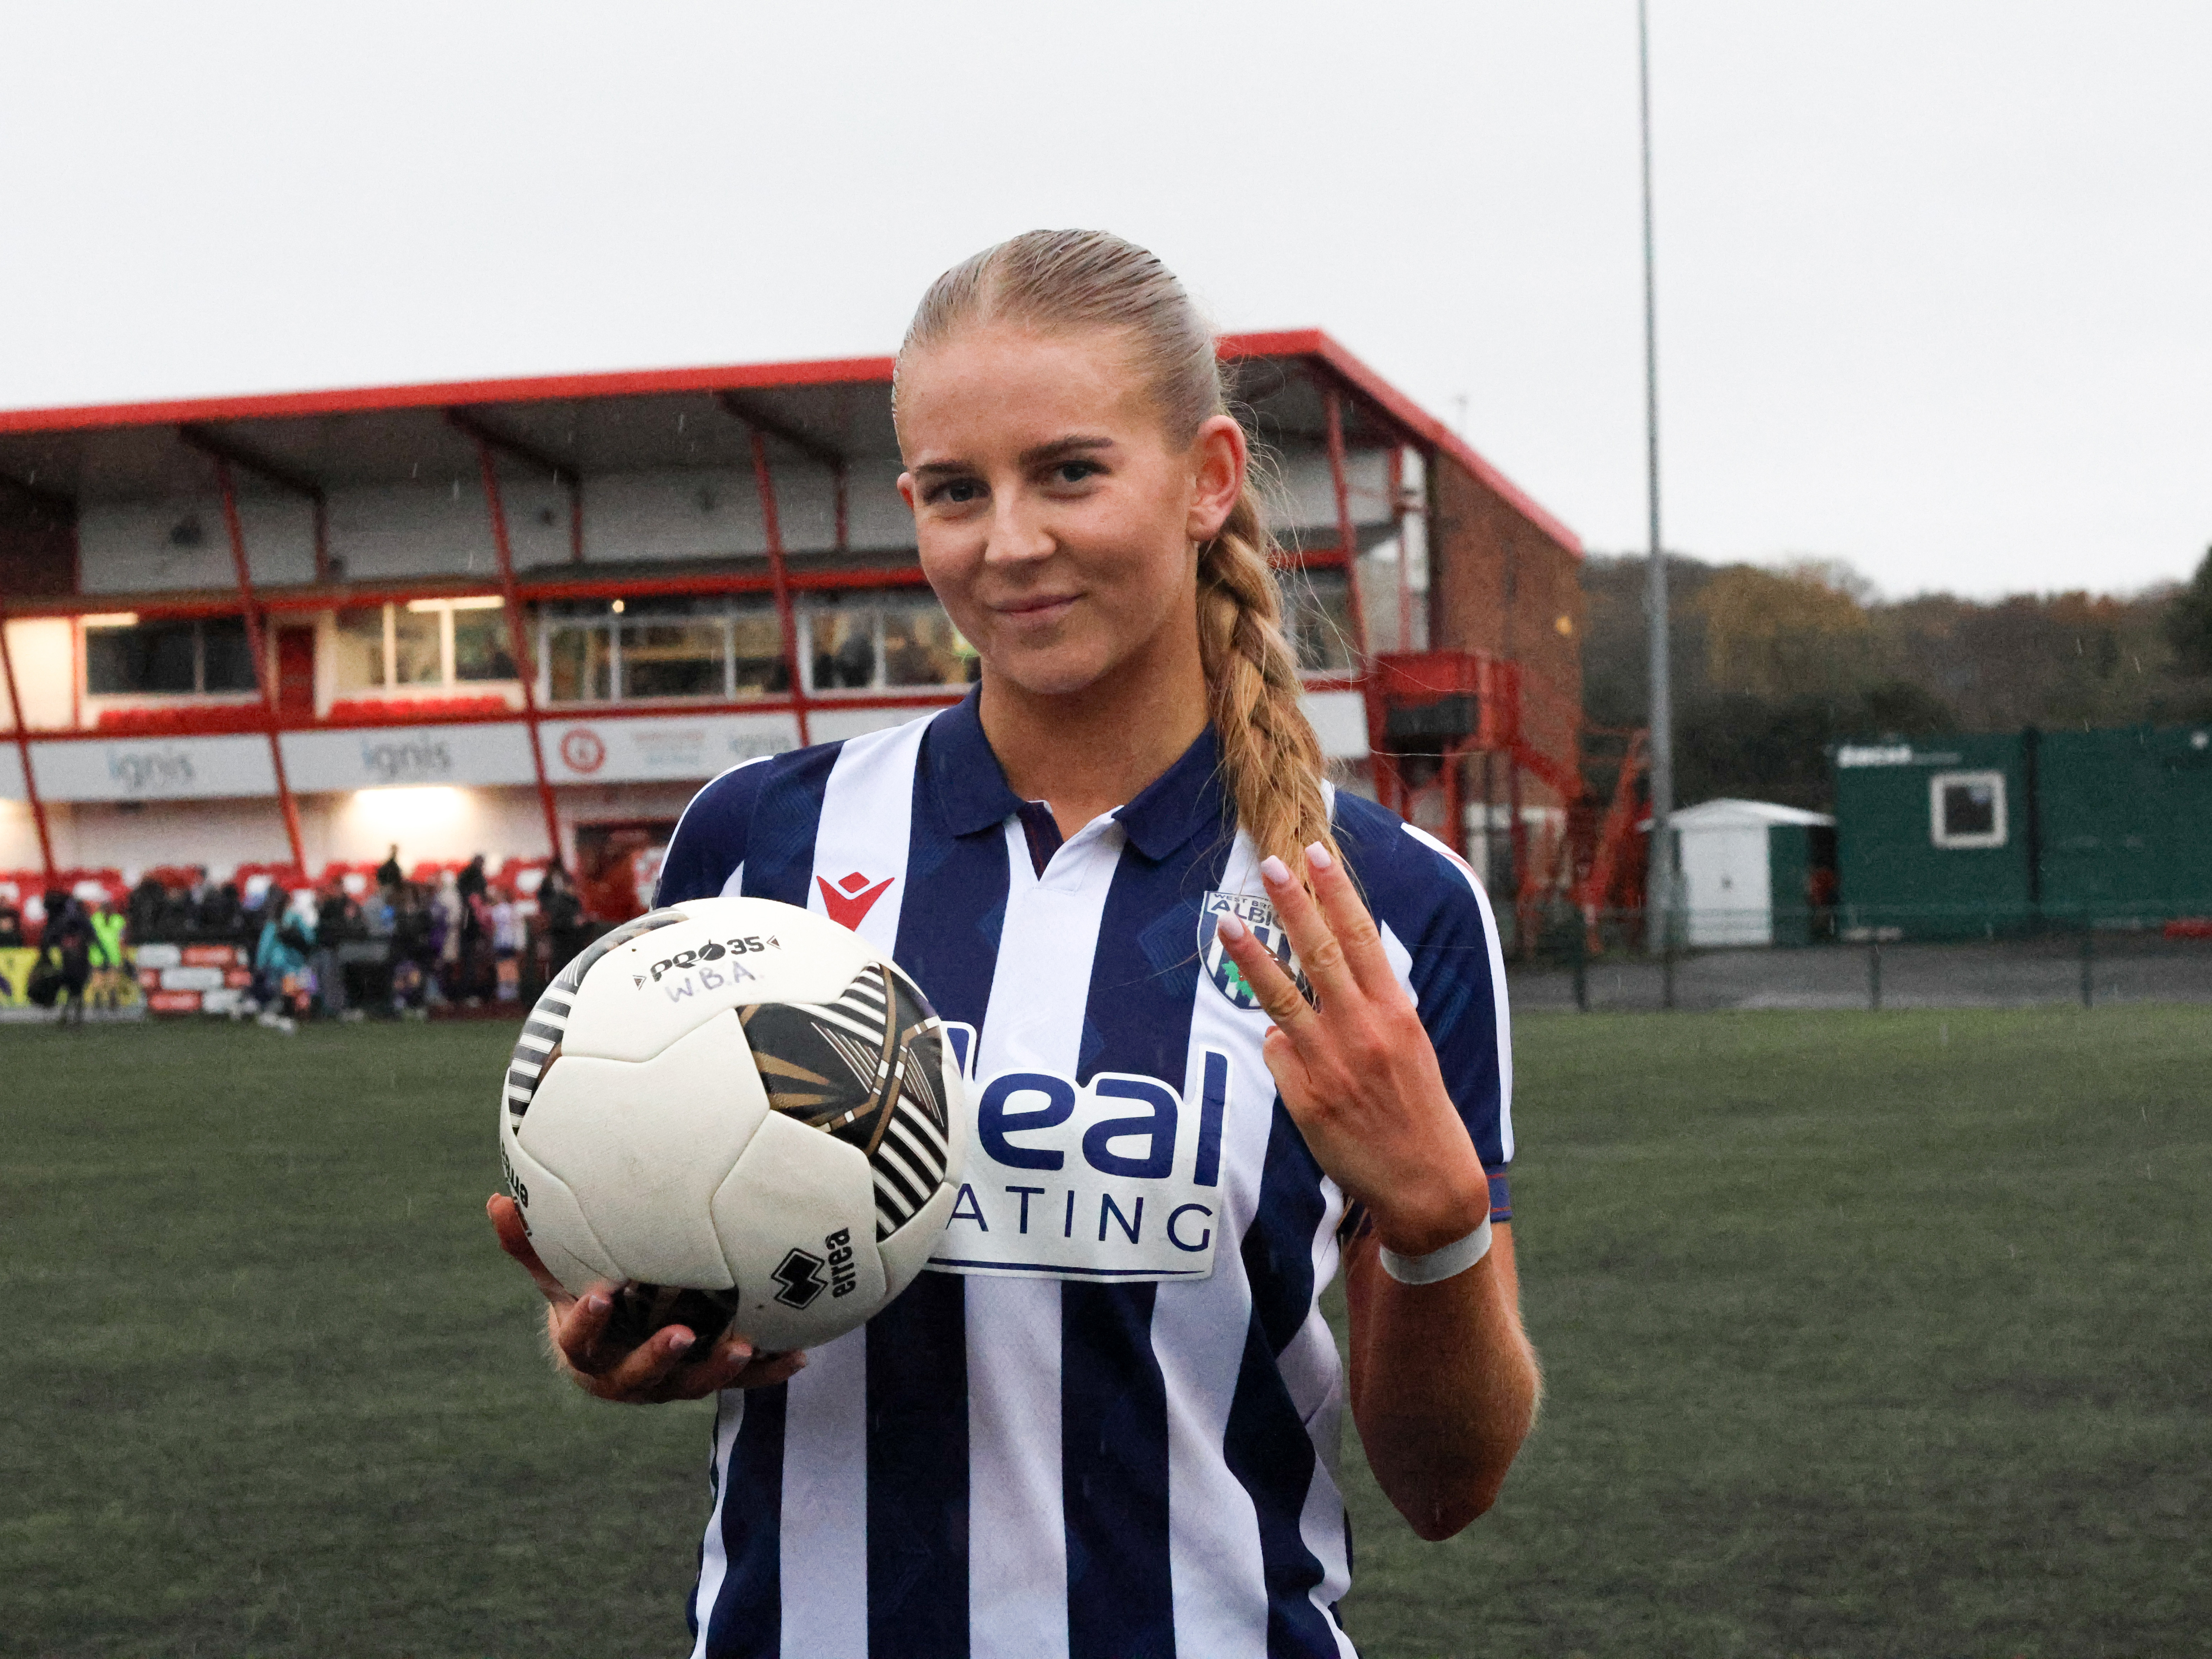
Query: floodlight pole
[(1659, 884)]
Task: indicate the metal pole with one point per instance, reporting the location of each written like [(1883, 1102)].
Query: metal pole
[(256, 644), (518, 645), (23, 725), (772, 528), (1874, 975), (2088, 960), (1661, 886)]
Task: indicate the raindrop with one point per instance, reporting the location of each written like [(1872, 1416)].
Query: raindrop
[(679, 421), (457, 489)]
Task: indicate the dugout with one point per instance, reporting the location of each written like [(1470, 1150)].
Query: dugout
[(528, 617), (1986, 834)]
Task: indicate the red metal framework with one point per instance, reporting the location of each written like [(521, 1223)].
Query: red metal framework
[(257, 645), (517, 645), (786, 619), (222, 450)]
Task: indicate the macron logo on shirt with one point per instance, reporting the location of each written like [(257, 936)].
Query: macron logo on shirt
[(850, 899)]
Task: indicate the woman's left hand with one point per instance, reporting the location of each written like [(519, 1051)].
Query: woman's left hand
[(1357, 1072)]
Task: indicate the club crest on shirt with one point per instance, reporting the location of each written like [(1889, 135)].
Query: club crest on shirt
[(1258, 913)]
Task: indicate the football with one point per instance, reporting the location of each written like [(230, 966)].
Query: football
[(741, 1112)]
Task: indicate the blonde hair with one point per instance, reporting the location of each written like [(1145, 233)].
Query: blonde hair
[(1066, 280)]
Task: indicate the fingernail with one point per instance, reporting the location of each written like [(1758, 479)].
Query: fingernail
[(598, 1301), (1230, 928), (1317, 856), (1277, 872), (678, 1341)]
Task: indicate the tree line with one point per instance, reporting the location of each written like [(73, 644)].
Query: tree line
[(1772, 666)]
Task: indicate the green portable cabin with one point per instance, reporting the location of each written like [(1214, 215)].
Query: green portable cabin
[(1931, 837), (2125, 824), (1985, 834)]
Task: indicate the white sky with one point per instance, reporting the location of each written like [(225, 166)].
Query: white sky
[(1935, 279)]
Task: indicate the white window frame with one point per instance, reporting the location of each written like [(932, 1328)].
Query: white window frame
[(1999, 831)]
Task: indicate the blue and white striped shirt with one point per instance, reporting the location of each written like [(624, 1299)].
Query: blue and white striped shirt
[(1090, 1432)]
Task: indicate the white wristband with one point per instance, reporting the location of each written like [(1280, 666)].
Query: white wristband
[(1449, 1262)]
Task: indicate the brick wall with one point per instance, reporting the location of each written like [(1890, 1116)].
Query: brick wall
[(1498, 582)]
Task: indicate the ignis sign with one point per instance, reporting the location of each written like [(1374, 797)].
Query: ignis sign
[(406, 760), (151, 771)]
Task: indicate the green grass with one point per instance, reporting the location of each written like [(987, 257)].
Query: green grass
[(1866, 1335)]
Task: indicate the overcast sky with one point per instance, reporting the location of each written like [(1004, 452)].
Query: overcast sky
[(1935, 279)]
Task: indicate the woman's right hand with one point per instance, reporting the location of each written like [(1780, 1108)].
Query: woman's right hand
[(648, 1374)]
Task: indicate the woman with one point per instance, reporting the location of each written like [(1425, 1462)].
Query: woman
[(1029, 1458)]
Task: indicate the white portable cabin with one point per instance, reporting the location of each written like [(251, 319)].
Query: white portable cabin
[(1742, 862)]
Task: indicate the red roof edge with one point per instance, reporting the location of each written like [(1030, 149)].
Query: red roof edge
[(736, 377), (1315, 343), (1311, 342)]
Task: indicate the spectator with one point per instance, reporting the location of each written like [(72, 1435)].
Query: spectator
[(412, 950), (506, 946), (442, 973), (219, 913), (66, 943), (472, 882), (148, 901), (281, 979), (390, 877), (560, 914), (179, 914), (380, 919), (11, 925), (107, 924), (337, 923), (477, 965)]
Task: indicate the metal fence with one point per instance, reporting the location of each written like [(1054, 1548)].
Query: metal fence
[(1936, 959)]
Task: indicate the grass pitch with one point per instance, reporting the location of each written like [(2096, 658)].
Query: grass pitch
[(1866, 1335)]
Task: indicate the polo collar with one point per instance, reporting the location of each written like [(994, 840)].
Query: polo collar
[(971, 787), (973, 794)]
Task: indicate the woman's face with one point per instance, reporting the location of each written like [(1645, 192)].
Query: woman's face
[(1057, 520)]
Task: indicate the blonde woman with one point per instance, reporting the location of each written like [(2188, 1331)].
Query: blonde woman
[(1229, 1033)]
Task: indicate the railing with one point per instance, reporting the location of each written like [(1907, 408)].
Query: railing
[(1924, 956)]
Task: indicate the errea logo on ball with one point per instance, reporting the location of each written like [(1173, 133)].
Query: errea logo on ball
[(799, 1272)]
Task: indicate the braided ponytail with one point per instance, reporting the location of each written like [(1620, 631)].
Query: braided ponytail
[(1056, 281)]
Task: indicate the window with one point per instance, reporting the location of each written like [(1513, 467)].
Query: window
[(425, 642), (679, 657), (1967, 809), (179, 658), (757, 664), (417, 653), (1319, 622), (357, 649), (883, 643), (480, 650), (226, 655), (654, 648)]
